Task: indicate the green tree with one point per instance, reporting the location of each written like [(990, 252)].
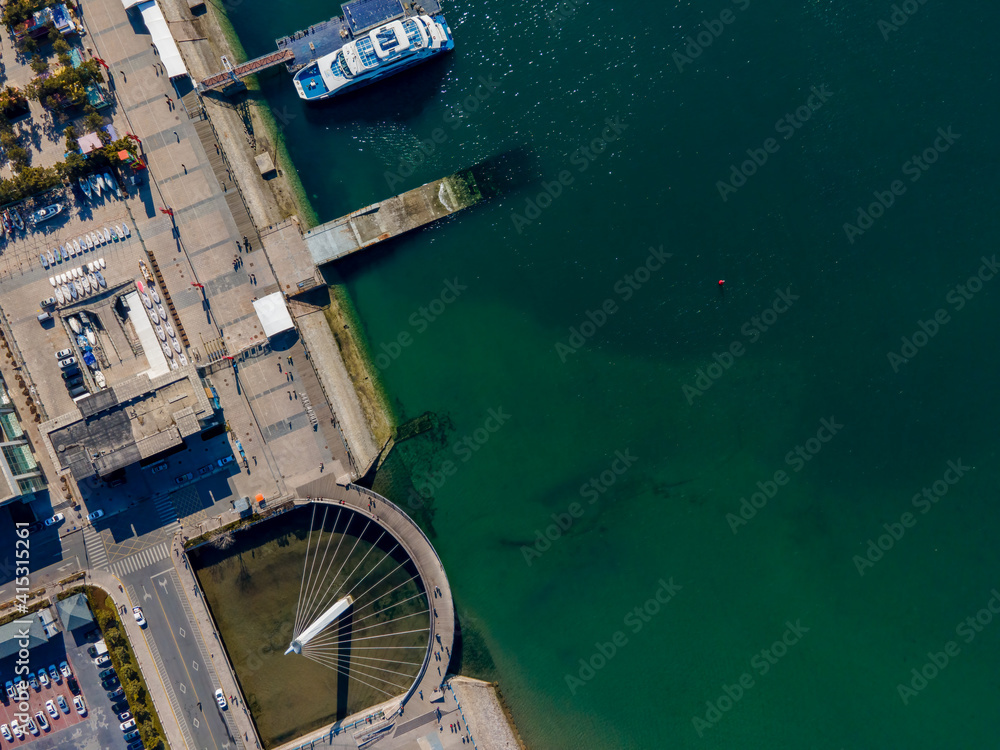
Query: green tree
[(38, 64)]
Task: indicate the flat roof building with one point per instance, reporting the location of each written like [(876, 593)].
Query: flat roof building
[(133, 420)]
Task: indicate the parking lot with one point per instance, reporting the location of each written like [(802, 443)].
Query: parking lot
[(98, 729), (25, 283)]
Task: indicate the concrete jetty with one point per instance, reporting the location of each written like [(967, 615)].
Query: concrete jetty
[(389, 218), (302, 254)]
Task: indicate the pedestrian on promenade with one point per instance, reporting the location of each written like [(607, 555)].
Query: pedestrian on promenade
[(184, 168), (321, 467), (175, 133), (122, 74)]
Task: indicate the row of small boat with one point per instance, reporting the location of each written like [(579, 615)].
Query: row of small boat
[(83, 244), (11, 219), (86, 340), (77, 283), (157, 316), (95, 184)]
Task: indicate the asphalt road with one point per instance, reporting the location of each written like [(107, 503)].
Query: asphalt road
[(184, 660)]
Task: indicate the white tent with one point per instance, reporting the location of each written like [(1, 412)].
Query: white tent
[(273, 314), (170, 56)]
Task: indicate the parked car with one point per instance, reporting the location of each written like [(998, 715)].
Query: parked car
[(50, 706), (184, 477), (11, 690), (64, 353), (42, 721), (63, 705), (133, 735), (139, 618), (31, 675), (226, 460), (157, 468), (106, 673), (81, 707), (124, 716), (57, 518), (127, 726), (47, 302), (54, 673), (137, 745), (64, 668), (73, 686), (220, 698), (116, 693), (16, 729), (95, 515), (206, 470), (68, 362), (70, 372), (43, 679), (5, 731), (121, 707), (111, 684), (102, 661)]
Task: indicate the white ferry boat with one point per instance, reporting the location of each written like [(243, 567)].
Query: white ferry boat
[(382, 52)]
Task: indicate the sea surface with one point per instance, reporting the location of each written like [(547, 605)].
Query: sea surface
[(602, 413)]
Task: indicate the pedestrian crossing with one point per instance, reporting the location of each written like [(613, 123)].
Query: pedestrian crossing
[(166, 511), (139, 560), (97, 553)]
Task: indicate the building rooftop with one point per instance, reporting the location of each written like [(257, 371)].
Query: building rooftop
[(11, 634), (75, 612), (133, 420)]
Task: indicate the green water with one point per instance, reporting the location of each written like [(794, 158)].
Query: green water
[(557, 79)]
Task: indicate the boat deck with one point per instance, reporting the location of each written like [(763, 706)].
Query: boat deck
[(329, 36)]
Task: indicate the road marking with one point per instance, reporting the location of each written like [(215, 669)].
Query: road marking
[(162, 581), (146, 596), (178, 647)]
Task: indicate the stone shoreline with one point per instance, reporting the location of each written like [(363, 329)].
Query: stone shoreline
[(275, 200), (207, 38), (486, 714)]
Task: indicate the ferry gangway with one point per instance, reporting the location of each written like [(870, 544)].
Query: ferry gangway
[(232, 74)]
